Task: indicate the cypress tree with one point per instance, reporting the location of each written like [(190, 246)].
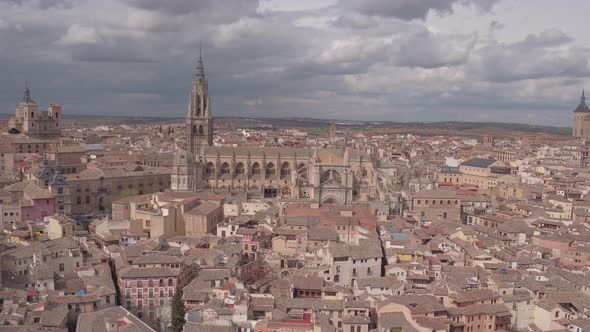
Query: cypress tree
[(178, 311)]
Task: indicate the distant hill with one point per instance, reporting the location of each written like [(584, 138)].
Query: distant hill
[(424, 128)]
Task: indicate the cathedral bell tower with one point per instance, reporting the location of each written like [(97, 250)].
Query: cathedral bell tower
[(199, 121), (187, 168)]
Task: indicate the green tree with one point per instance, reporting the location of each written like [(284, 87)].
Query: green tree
[(178, 311)]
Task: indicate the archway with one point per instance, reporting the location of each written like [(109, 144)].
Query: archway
[(285, 170), (332, 175), (302, 171), (210, 169), (225, 169), (255, 169), (240, 168), (332, 197), (330, 200), (270, 169)]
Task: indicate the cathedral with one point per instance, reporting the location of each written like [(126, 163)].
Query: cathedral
[(340, 176)]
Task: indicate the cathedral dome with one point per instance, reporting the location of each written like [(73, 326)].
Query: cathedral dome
[(582, 108)]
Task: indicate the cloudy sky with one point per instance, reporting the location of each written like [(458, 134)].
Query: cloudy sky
[(399, 60)]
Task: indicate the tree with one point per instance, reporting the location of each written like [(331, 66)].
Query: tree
[(163, 317), (178, 312)]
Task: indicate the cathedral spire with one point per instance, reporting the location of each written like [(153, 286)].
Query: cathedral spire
[(582, 107), (200, 68), (27, 94)]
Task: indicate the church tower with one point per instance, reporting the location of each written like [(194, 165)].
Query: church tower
[(187, 167), (199, 120), (183, 172), (581, 127)]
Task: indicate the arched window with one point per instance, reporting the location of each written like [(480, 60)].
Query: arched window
[(331, 174), (336, 177), (194, 130), (210, 168), (200, 130), (240, 168), (302, 171), (270, 169), (225, 168), (285, 170), (255, 168)]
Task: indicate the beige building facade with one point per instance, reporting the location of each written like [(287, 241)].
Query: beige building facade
[(32, 122), (94, 189), (165, 215)]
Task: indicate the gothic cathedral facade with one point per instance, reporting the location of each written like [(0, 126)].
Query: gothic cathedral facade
[(319, 175)]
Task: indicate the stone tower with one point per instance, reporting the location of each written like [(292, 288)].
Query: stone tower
[(187, 166), (199, 120), (582, 120), (489, 140), (183, 172), (28, 109), (332, 133)]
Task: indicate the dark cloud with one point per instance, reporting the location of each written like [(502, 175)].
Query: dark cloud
[(42, 4), (411, 9), (355, 21), (547, 38), (427, 50), (495, 25), (537, 56), (359, 60), (101, 53), (218, 10)]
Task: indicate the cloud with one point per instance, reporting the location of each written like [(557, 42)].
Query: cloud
[(537, 56), (355, 21), (380, 60), (112, 53), (42, 4), (211, 10), (429, 50), (79, 35), (546, 38), (495, 25), (412, 9)]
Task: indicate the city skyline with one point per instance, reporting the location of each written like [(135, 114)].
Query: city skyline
[(403, 61)]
